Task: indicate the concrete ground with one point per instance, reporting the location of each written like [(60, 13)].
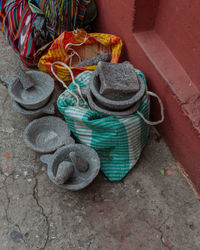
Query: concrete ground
[(147, 210)]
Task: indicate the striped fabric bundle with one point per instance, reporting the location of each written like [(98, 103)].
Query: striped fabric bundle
[(62, 15), (17, 17), (1, 15), (82, 9), (17, 22), (55, 14), (118, 141)]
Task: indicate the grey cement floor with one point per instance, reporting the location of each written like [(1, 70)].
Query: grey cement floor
[(146, 210)]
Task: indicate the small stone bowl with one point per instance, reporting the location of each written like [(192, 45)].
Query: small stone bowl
[(95, 105), (79, 180), (48, 109), (116, 104), (34, 97), (46, 134)]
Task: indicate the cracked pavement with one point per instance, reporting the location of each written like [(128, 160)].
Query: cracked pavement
[(147, 210)]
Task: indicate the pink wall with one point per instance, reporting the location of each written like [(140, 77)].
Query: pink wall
[(116, 17), (178, 24), (161, 38)]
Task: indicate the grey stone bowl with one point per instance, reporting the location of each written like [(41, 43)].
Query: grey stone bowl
[(94, 60), (47, 109), (35, 97), (95, 105), (122, 102), (46, 134), (79, 180)]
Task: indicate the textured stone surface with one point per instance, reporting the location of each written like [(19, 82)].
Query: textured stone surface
[(80, 163), (120, 77), (94, 60), (64, 172), (145, 211), (26, 81)]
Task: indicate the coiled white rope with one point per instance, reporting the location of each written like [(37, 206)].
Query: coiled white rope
[(161, 108), (63, 83), (68, 67)]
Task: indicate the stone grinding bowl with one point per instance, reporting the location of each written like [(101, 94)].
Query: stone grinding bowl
[(34, 97), (46, 134), (122, 101), (95, 105), (48, 109), (79, 180)]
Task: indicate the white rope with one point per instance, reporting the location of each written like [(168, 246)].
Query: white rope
[(71, 56), (67, 67), (76, 31), (76, 44), (74, 52), (63, 83), (161, 108)]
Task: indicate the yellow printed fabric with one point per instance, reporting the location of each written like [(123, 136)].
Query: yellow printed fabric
[(95, 44)]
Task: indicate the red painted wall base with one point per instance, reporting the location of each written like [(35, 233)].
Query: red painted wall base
[(142, 25)]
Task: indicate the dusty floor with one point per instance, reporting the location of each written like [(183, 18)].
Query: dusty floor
[(147, 210)]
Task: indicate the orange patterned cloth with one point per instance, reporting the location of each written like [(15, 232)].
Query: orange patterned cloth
[(96, 44)]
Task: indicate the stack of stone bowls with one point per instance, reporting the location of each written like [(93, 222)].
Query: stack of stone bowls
[(31, 93), (115, 89), (71, 166)]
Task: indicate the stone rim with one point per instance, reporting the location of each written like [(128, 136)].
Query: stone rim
[(46, 109), (65, 149), (106, 112), (117, 104), (32, 127), (42, 101)]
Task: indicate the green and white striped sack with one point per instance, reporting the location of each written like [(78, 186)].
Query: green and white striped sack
[(118, 141)]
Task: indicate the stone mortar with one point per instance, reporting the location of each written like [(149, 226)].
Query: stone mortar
[(48, 109), (116, 104), (35, 97), (47, 134), (79, 180)]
